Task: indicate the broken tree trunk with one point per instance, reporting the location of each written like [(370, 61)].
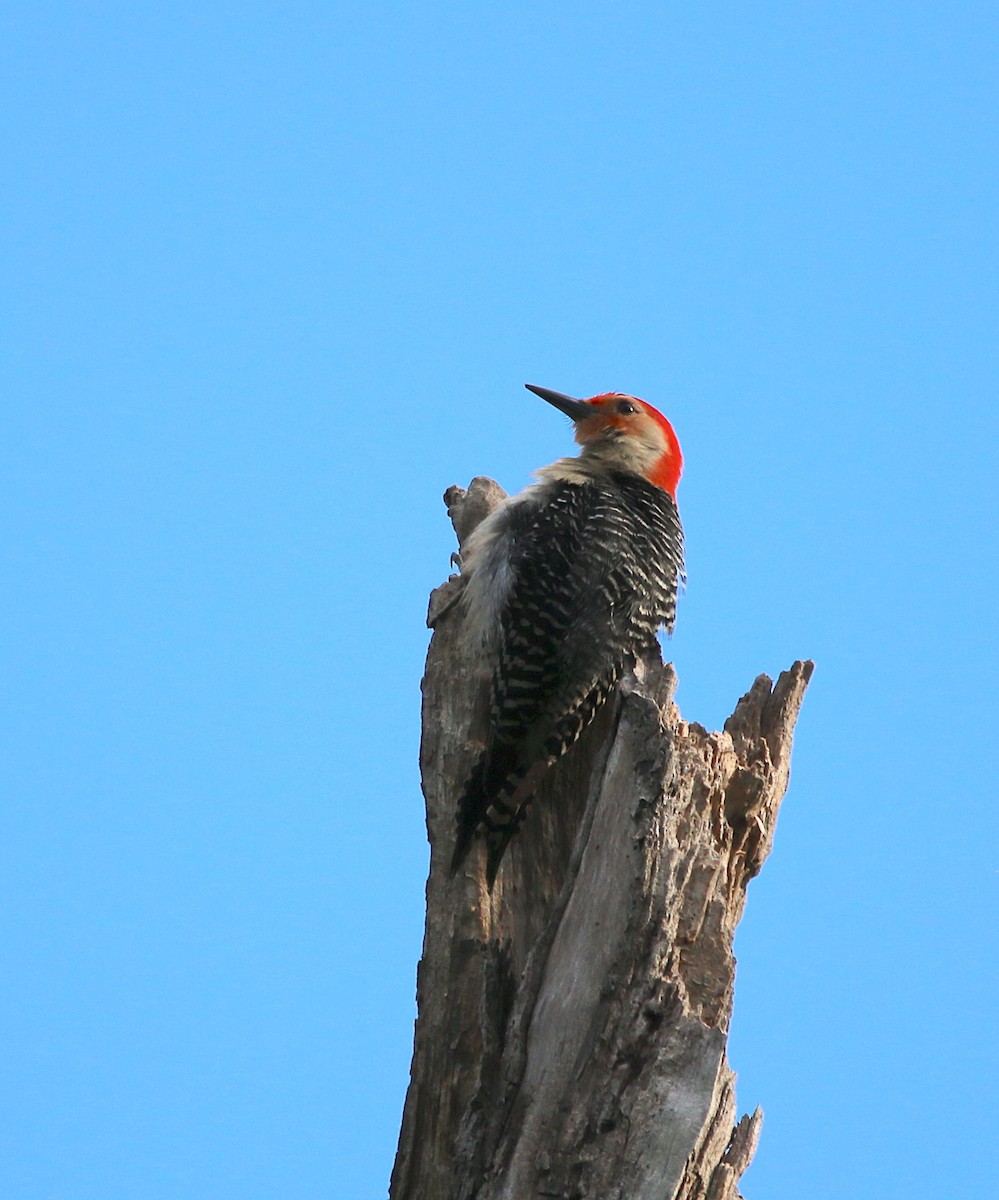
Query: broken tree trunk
[(572, 1024)]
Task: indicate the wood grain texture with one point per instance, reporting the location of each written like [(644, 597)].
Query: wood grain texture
[(572, 1025)]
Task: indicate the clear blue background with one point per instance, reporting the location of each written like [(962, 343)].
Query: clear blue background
[(274, 277)]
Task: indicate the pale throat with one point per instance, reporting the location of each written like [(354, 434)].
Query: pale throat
[(625, 454)]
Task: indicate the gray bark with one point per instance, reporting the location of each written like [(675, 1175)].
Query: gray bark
[(572, 1025)]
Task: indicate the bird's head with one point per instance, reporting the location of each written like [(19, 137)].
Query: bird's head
[(624, 433)]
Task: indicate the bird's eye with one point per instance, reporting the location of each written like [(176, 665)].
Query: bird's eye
[(625, 407)]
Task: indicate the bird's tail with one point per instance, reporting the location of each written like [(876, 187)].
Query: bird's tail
[(490, 802)]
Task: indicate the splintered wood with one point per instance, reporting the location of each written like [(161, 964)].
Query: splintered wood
[(572, 1025)]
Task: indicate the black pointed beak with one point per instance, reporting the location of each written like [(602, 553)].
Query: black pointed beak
[(579, 410)]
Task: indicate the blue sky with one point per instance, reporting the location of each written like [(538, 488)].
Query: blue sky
[(275, 278)]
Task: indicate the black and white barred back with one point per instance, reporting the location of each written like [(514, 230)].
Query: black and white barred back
[(590, 571)]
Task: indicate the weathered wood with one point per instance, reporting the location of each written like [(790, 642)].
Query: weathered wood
[(572, 1024)]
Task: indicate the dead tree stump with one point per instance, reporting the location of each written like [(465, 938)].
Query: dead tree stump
[(572, 1025)]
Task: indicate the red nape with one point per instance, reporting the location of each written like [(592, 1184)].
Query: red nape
[(667, 471)]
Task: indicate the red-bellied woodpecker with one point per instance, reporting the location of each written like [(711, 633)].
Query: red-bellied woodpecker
[(566, 583)]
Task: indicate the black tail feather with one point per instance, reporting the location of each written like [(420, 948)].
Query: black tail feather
[(487, 803), (470, 808)]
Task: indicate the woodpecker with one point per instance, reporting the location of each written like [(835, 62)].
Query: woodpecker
[(566, 584)]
